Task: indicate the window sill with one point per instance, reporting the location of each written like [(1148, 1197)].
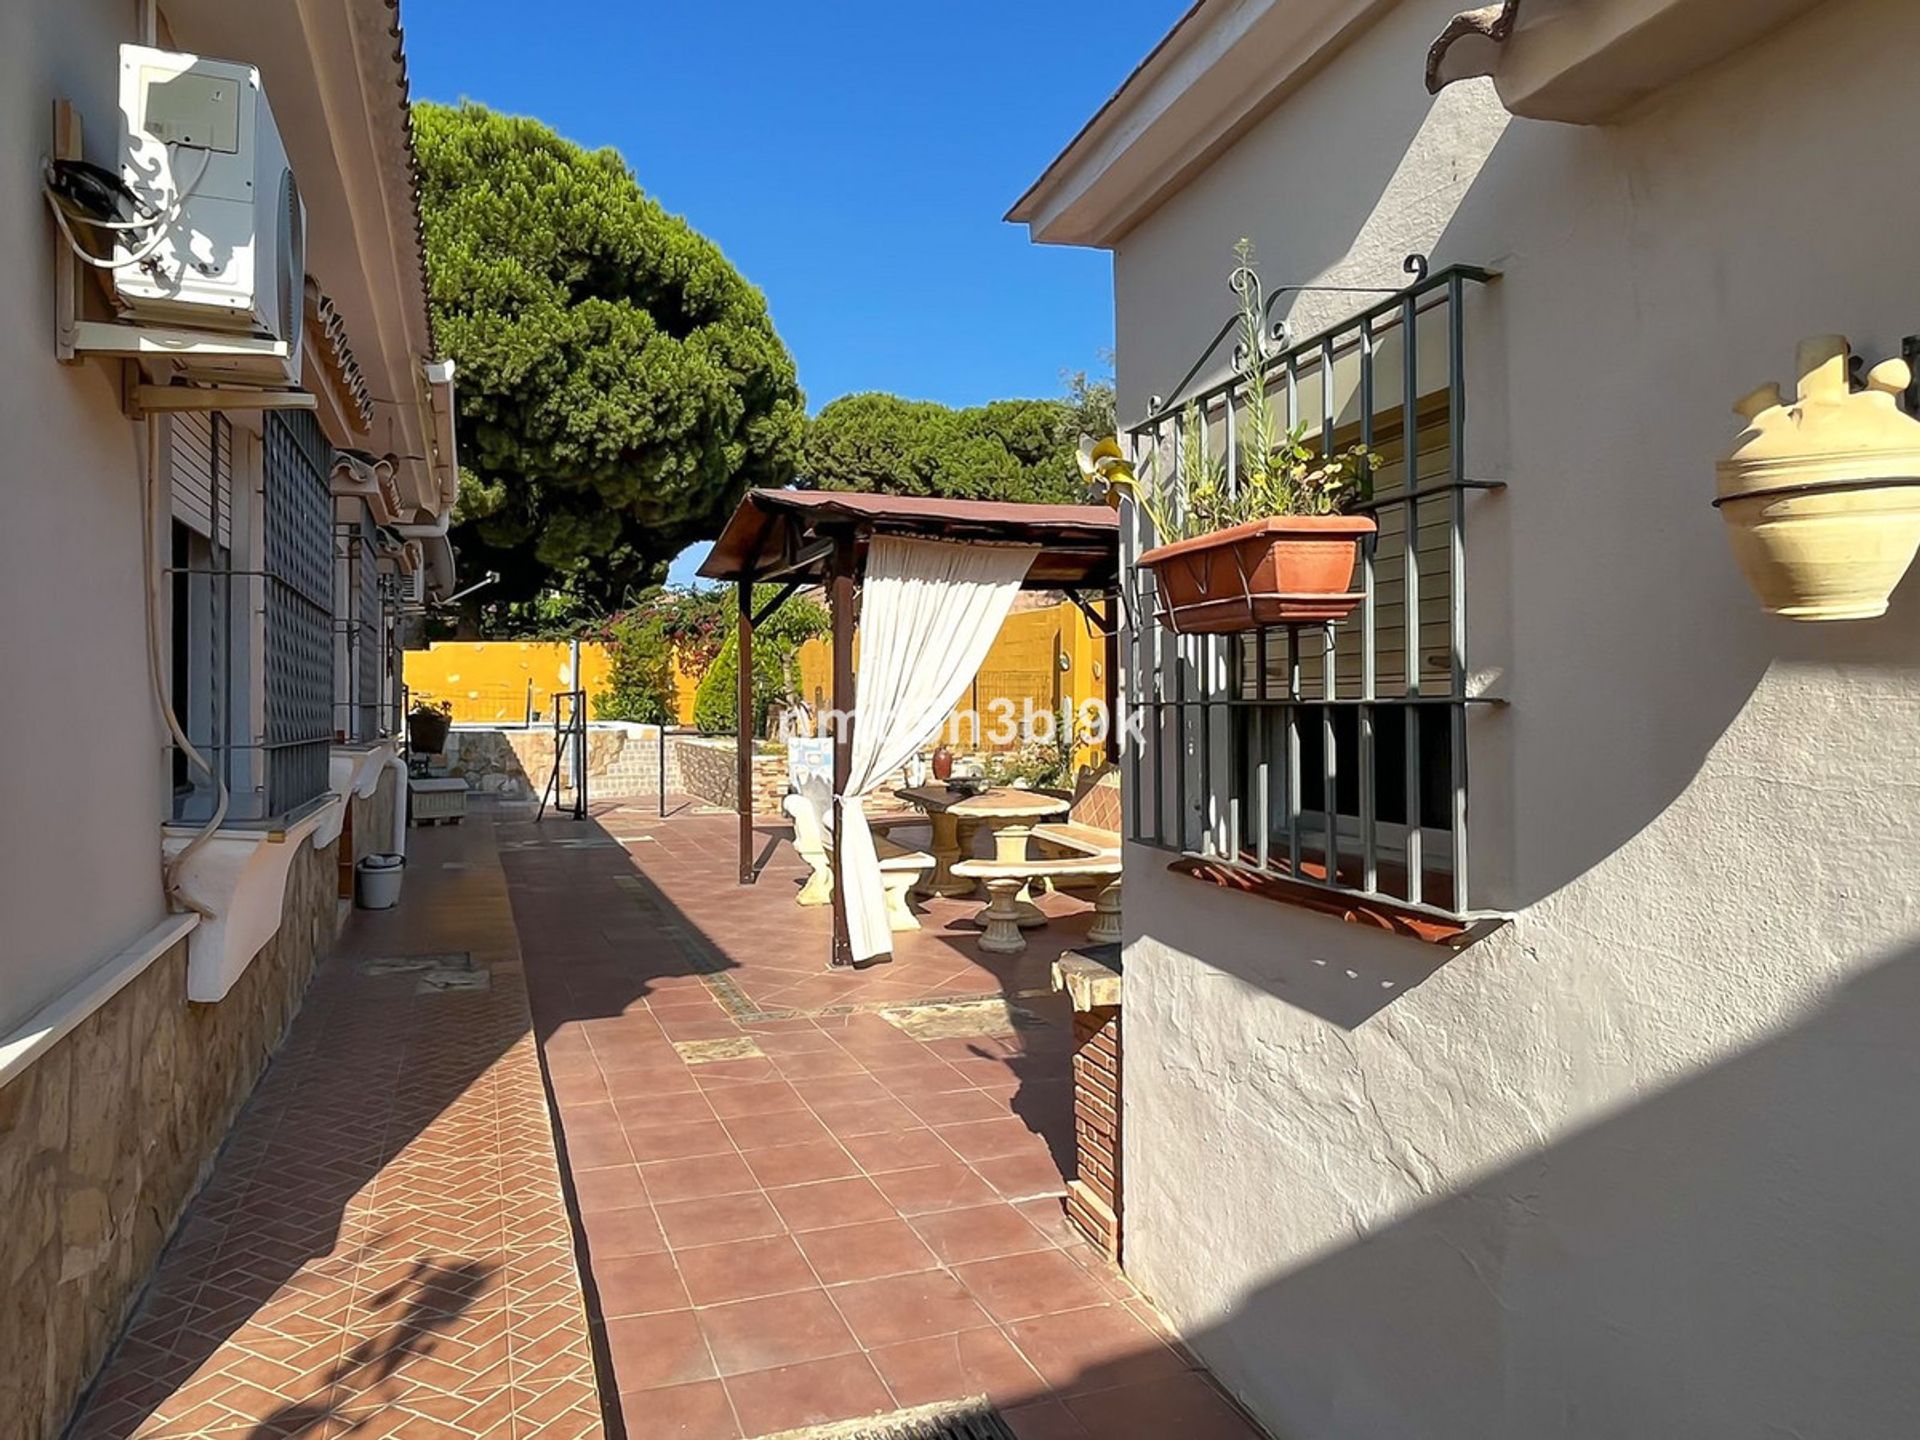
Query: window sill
[(241, 875), (1370, 913)]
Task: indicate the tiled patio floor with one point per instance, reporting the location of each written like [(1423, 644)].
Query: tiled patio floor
[(383, 1248), (795, 1212)]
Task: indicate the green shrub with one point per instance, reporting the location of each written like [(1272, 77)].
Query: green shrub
[(640, 685), (776, 650)]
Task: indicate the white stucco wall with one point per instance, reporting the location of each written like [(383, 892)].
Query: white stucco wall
[(1641, 1164), (83, 770)]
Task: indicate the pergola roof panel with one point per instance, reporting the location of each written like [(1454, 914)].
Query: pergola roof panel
[(778, 534)]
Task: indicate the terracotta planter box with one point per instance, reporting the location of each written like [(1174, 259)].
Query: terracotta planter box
[(1286, 570)]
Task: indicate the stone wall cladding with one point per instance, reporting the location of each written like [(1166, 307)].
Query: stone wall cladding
[(622, 760), (706, 768), (109, 1134)]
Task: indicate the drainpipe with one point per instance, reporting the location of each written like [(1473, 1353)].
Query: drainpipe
[(398, 840), (439, 552)]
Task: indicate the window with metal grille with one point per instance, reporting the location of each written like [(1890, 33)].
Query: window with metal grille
[(357, 630), (296, 563), (199, 587), (1329, 756)]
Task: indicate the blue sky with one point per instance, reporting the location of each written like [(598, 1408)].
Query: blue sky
[(853, 159)]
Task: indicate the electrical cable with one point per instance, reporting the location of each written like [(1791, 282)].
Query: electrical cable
[(162, 224), (149, 507)]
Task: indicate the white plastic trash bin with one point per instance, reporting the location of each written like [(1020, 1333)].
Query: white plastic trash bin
[(377, 881)]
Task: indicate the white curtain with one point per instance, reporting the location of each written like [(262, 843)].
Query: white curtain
[(929, 612)]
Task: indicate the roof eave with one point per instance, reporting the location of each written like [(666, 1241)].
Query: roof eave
[(1217, 73)]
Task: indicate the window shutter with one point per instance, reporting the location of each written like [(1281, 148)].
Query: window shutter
[(202, 475)]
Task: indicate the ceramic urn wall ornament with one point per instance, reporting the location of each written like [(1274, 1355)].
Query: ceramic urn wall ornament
[(1821, 493)]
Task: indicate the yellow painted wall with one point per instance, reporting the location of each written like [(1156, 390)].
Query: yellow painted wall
[(1024, 665), (488, 680)]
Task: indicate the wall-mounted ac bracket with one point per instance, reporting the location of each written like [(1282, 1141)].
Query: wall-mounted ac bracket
[(77, 338), (172, 399)]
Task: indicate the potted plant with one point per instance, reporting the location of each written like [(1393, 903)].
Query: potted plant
[(1821, 494), (1268, 545), (427, 725)]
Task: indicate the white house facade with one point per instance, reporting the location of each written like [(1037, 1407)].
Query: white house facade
[(213, 525), (1519, 1041)]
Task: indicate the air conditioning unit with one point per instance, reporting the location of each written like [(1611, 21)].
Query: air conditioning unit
[(198, 145)]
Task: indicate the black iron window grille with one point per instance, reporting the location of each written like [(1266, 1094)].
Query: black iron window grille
[(357, 628), (262, 633), (1331, 756), (297, 554)]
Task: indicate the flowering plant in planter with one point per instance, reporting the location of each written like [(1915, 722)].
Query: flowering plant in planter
[(1269, 544), (427, 724)]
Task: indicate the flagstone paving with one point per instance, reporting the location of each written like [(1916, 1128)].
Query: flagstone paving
[(772, 1205)]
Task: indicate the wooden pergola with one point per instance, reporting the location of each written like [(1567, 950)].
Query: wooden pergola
[(796, 538)]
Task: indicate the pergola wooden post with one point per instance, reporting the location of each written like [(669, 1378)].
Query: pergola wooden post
[(743, 733), (840, 598), (1110, 659)]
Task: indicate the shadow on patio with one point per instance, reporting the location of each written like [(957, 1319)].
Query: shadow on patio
[(787, 1209)]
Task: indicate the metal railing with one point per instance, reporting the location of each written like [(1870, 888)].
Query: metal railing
[(1267, 751), (569, 774)]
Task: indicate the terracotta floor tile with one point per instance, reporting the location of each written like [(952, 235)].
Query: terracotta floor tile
[(955, 1107), (639, 1285), (803, 1164), (1022, 1177), (1016, 1287), (979, 1232), (818, 1064), (642, 1112), (794, 1038), (992, 1139), (1043, 1420), (898, 1150), (921, 1191), (919, 1077), (812, 1393), (700, 1411), (831, 1203), (631, 1231), (865, 1252), (650, 1083), (391, 1232), (1093, 1349), (744, 1270), (690, 1223), (679, 1141), (1048, 1215), (653, 1350), (763, 1132), (774, 1331), (722, 1073), (697, 1178), (953, 1367), (590, 1148), (1185, 1405), (611, 1187), (867, 1117), (753, 1098), (908, 1307), (841, 1090)]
